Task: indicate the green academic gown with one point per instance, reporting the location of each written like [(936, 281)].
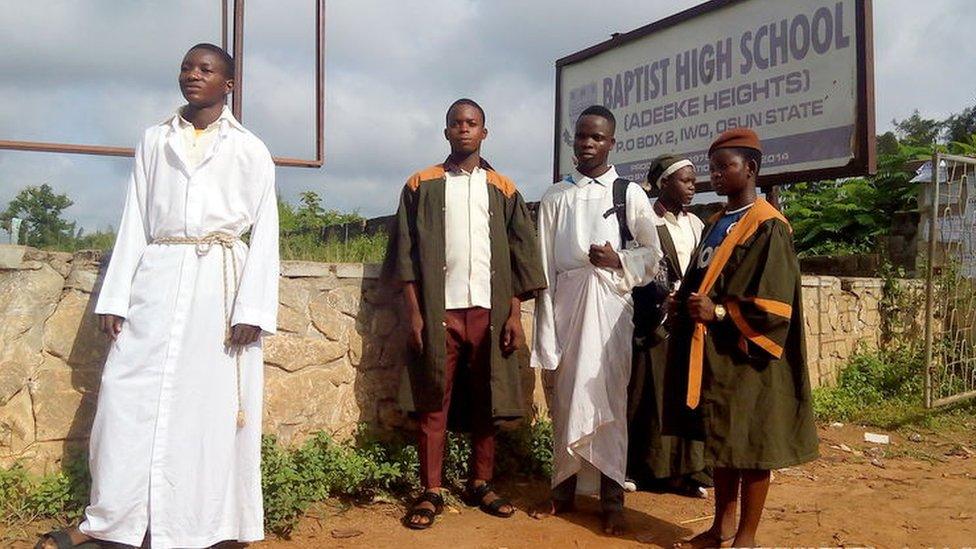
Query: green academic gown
[(416, 254), (741, 385), (650, 454)]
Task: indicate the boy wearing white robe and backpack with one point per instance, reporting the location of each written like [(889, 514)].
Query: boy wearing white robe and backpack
[(598, 242), (175, 448)]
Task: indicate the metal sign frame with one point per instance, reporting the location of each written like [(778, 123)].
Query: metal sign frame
[(864, 161), (237, 39)]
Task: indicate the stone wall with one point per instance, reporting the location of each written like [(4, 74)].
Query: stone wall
[(334, 363)]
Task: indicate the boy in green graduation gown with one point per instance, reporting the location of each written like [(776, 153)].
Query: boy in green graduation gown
[(737, 374), (464, 249)]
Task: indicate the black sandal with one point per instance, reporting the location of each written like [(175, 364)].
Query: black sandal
[(432, 498), (62, 539), (475, 497)]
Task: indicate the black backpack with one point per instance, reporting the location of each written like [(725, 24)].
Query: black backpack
[(649, 299)]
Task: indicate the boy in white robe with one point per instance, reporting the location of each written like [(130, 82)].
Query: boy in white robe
[(175, 448), (583, 323)]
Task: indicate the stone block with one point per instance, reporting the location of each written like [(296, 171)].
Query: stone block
[(340, 372), (59, 261), (345, 299), (293, 293), (72, 331), (356, 347), (46, 457), (307, 401), (349, 270), (290, 320), (11, 257), (381, 294), (16, 424), (27, 298), (375, 385), (293, 352), (82, 280), (328, 320), (64, 401), (14, 376), (305, 269), (372, 270)]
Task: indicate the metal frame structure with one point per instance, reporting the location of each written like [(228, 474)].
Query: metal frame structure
[(864, 161), (952, 324), (237, 39)]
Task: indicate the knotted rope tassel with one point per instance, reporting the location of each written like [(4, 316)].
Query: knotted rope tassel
[(203, 245)]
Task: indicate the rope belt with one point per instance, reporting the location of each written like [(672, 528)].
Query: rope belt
[(203, 245)]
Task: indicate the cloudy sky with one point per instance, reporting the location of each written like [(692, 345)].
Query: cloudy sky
[(99, 71)]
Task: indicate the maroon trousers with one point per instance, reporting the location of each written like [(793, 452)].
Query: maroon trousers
[(468, 346)]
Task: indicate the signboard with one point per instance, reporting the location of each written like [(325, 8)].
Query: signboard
[(799, 72)]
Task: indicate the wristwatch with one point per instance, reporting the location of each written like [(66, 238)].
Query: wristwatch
[(720, 312)]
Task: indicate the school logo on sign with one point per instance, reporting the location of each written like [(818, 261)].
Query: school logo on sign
[(579, 99)]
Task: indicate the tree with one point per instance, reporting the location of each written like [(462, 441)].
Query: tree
[(849, 215), (965, 147), (887, 143), (918, 131), (41, 209), (961, 127), (310, 216)]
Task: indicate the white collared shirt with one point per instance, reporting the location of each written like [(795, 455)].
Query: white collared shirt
[(467, 280), (196, 144), (685, 230)]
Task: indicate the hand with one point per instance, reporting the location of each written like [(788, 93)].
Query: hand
[(671, 304), (244, 334), (513, 336), (701, 308), (110, 325), (416, 339), (604, 256)]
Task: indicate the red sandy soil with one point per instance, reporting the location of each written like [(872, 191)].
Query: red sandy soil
[(918, 491), (917, 494)]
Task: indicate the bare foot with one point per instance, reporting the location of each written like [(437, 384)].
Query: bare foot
[(745, 541), (706, 540), (614, 523), (552, 508)]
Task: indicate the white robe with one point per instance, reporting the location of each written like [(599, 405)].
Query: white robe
[(166, 453), (584, 322)]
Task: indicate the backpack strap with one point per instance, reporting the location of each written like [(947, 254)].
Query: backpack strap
[(620, 207)]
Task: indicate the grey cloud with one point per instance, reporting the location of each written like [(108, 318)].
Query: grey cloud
[(103, 70)]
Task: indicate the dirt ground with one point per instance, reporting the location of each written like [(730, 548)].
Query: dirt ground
[(918, 491)]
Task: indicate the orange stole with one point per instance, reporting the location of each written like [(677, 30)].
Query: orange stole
[(760, 212)]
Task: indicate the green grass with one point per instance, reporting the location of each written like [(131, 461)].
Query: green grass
[(884, 388), (358, 249)]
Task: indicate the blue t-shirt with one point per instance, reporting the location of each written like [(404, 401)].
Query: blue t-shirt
[(719, 231)]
